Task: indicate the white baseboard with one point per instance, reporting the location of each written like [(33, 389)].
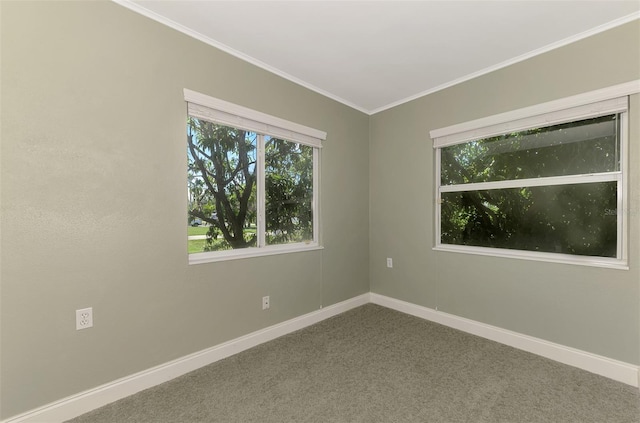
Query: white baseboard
[(613, 369), (86, 401)]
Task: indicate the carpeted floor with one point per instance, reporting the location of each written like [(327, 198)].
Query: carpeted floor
[(373, 364)]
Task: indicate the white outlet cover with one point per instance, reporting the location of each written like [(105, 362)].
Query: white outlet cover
[(84, 318)]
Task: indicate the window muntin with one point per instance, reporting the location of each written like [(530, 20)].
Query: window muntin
[(253, 182), (546, 192)]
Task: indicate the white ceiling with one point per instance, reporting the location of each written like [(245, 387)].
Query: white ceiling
[(372, 55)]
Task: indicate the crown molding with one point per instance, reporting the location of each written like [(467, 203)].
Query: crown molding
[(549, 47), (135, 7), (129, 4)]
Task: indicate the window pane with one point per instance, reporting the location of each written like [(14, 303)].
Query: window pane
[(582, 147), (572, 219), (288, 191), (221, 186)]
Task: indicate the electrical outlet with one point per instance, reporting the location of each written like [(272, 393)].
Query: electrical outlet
[(389, 262), (84, 318), (265, 302)]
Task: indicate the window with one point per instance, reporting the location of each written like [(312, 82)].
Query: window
[(537, 185), (252, 182)]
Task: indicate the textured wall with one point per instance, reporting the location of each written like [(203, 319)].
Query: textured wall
[(94, 201), (593, 309)]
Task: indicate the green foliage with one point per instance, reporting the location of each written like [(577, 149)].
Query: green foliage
[(222, 183), (569, 219), (222, 180), (289, 191)]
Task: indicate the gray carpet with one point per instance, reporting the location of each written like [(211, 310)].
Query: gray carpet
[(373, 364)]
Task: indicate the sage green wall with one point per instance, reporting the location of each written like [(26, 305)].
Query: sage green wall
[(593, 309), (93, 203)]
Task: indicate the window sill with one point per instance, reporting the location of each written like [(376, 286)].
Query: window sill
[(214, 256), (609, 263)]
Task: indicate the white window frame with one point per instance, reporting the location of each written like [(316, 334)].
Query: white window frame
[(583, 106), (221, 112)]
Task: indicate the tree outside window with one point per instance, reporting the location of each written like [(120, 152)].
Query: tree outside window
[(227, 170), (546, 189)]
